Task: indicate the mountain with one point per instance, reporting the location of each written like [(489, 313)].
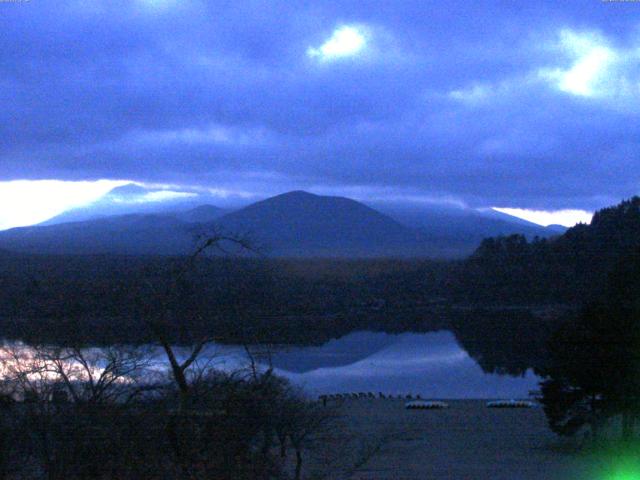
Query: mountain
[(124, 234), (461, 228), (547, 231), (294, 224), (555, 229), (505, 217), (201, 214), (300, 224), (136, 199)]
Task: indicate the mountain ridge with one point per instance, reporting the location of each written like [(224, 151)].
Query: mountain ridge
[(300, 223), (132, 198), (291, 224)]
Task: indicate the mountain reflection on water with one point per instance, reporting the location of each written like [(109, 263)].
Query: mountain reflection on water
[(431, 364)]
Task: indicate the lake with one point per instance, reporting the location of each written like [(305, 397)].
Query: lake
[(432, 364)]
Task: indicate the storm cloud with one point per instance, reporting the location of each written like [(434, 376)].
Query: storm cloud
[(490, 103)]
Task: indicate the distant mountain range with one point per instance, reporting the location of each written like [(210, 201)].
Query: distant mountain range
[(462, 229), (294, 224), (135, 199)]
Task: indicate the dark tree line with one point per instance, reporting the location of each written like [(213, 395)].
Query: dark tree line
[(594, 359), (571, 268), (98, 299), (591, 362)]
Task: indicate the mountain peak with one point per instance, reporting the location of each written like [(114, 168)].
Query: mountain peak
[(300, 223), (295, 194), (201, 214), (204, 208), (128, 190)]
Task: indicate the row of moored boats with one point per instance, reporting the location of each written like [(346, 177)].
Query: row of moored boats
[(370, 395), (436, 404), (415, 402)]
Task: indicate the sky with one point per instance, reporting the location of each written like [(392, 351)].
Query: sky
[(530, 106)]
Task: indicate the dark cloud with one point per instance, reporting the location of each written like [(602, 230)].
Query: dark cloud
[(454, 100)]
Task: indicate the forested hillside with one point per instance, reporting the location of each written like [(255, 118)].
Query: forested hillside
[(570, 268)]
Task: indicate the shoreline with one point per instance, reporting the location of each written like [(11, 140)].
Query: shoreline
[(466, 441)]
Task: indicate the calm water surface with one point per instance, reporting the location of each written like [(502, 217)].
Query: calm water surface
[(431, 364)]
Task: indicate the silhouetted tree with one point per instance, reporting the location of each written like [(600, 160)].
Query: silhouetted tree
[(168, 296), (594, 367)]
